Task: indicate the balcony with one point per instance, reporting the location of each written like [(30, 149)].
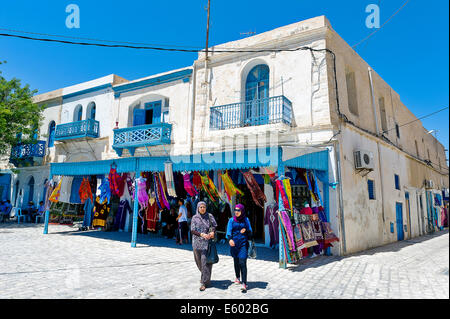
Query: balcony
[(87, 128), (141, 135), (27, 154), (264, 111)]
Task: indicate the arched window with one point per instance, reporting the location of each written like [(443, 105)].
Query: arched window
[(78, 113), (31, 190), (91, 111), (51, 134), (256, 111)]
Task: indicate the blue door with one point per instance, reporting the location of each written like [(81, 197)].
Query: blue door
[(153, 112), (399, 220), (256, 111)]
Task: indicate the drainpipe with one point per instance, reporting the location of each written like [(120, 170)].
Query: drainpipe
[(378, 146), (342, 242)]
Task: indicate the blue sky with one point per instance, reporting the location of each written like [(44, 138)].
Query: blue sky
[(411, 52)]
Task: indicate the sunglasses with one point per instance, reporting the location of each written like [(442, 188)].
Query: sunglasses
[(237, 210)]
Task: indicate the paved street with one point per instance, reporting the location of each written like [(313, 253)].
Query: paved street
[(71, 264)]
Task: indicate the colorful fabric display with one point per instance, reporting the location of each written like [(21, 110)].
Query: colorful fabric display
[(308, 182), (190, 189), (163, 197), (281, 190), (56, 193), (157, 192), (328, 235), (105, 191), (288, 190), (283, 239), (197, 181), (130, 184), (272, 221), (114, 181), (230, 188), (209, 188), (286, 223), (306, 211), (85, 191), (54, 197), (49, 191), (151, 214), (299, 243), (168, 171), (317, 228), (308, 234), (101, 211), (88, 206), (258, 196), (142, 192)]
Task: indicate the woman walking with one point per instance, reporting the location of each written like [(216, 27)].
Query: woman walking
[(239, 232), (203, 226)]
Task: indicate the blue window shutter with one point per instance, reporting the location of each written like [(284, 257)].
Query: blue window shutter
[(370, 186), (397, 181), (51, 137), (157, 112), (138, 117)]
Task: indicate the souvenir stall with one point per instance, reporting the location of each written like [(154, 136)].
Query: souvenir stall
[(148, 189)]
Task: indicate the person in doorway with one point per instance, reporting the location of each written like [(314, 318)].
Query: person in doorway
[(203, 227), (239, 232), (182, 233)]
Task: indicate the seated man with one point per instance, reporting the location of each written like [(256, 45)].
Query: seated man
[(41, 210), (30, 212)]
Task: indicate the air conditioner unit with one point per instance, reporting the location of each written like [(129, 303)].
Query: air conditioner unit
[(363, 159), (429, 183)]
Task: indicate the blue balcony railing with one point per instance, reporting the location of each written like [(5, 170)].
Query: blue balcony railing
[(277, 109), (74, 130), (141, 135), (27, 152)]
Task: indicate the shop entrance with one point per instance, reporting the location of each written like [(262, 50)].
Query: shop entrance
[(254, 213)]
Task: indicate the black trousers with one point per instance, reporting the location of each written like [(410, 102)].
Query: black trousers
[(240, 268)]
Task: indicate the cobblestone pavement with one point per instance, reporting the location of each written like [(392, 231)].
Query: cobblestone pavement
[(70, 264)]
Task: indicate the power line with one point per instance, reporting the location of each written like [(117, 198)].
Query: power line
[(422, 117), (160, 48), (390, 18)]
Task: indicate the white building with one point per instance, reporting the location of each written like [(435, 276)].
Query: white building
[(304, 91)]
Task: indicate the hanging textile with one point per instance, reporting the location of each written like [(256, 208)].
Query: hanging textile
[(105, 190), (190, 189), (310, 187), (130, 183), (49, 186), (308, 234), (328, 235), (88, 206), (197, 181), (101, 212), (54, 197), (121, 216), (179, 185), (272, 221), (157, 192), (299, 243), (114, 181), (142, 191), (286, 223), (288, 190), (152, 214), (168, 172), (162, 185), (230, 188), (85, 191), (258, 196), (316, 186), (285, 251), (161, 198), (280, 189)]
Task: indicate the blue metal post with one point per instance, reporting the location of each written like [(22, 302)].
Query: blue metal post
[(282, 260), (135, 211), (47, 214)]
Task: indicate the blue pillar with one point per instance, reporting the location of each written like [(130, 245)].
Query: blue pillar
[(135, 211), (47, 214), (282, 260)]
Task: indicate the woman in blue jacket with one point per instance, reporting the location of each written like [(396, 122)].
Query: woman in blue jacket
[(239, 232)]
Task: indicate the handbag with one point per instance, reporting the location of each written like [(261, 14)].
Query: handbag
[(251, 249), (212, 257)]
